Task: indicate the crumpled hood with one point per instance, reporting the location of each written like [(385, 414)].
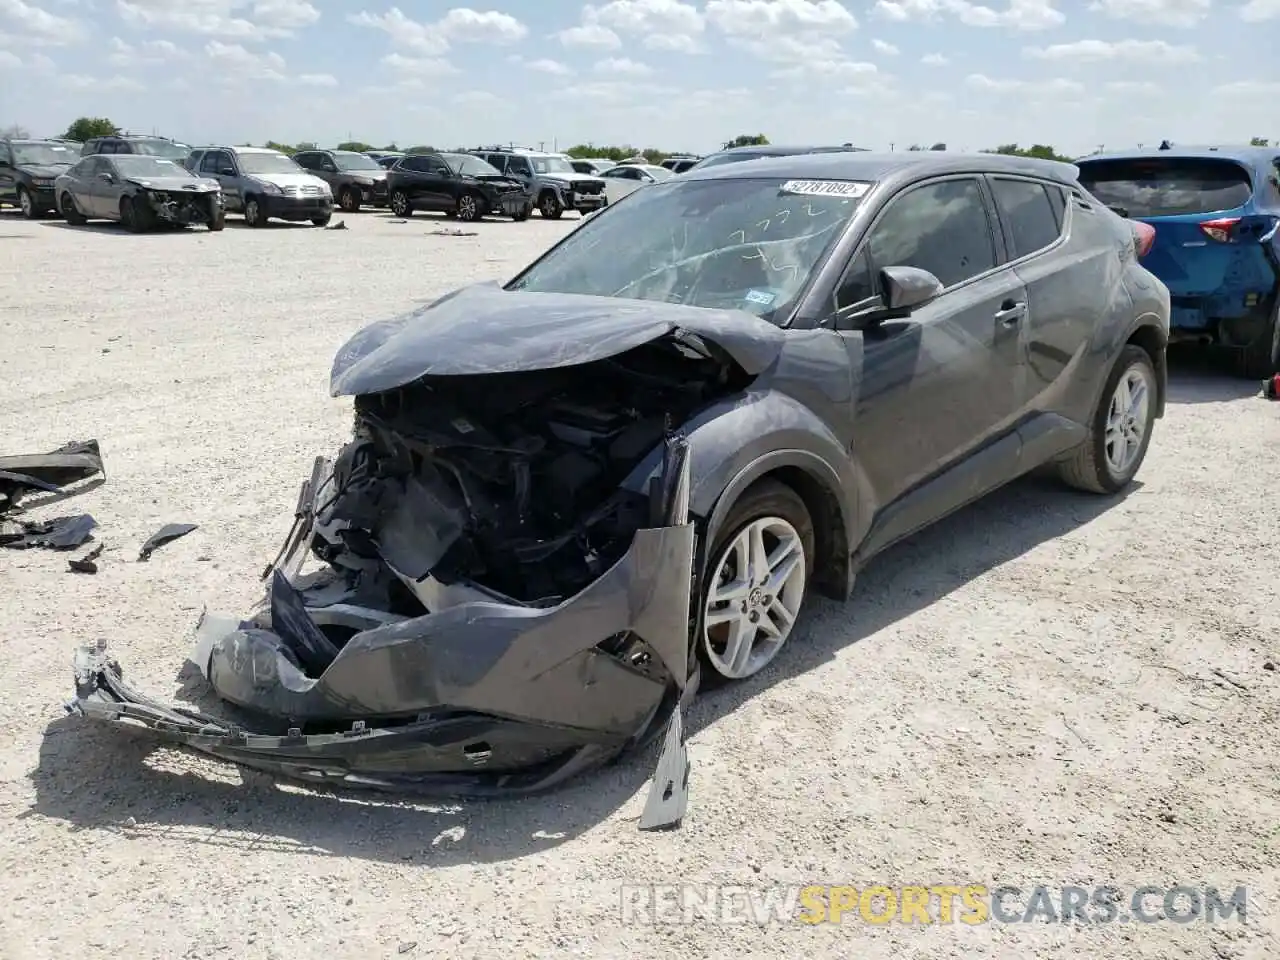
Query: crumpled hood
[(46, 170), (486, 329), (176, 184)]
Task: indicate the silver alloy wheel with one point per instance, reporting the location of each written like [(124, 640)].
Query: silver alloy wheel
[(1127, 420), (252, 212), (467, 207), (757, 586), (25, 202), (549, 205), (399, 203)]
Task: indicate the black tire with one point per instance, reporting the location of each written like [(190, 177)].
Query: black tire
[(765, 499), (1087, 467), (549, 205), (217, 217), (400, 204), (254, 215), (470, 207), (70, 212), (135, 215), (27, 204), (1261, 359), (322, 221), (522, 214), (349, 199)]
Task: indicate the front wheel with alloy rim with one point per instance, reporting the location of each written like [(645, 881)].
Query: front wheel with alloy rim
[(349, 200), (70, 212), (27, 203), (1120, 429), (757, 579), (549, 206), (400, 205), (253, 214), (470, 208)]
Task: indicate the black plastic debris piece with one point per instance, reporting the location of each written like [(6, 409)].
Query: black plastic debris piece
[(60, 533), (340, 225), (86, 563), (292, 624), (48, 472), (170, 531), (454, 233)]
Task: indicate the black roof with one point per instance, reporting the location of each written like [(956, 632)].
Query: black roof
[(870, 167)]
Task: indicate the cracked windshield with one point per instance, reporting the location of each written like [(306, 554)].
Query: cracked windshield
[(136, 165), (741, 244)]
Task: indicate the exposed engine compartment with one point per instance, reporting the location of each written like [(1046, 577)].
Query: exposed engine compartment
[(185, 208), (510, 481)]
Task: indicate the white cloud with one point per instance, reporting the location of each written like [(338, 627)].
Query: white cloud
[(553, 67), (1169, 13), (1132, 87), (888, 49), (760, 18), (1255, 11), (318, 80), (1249, 88), (231, 19), (9, 61), (461, 25), (148, 52), (1028, 87), (660, 24), (829, 71), (1018, 15), (620, 66), (78, 81), (236, 63), (418, 67), (1128, 51), (589, 35), (37, 27), (934, 60), (479, 98)]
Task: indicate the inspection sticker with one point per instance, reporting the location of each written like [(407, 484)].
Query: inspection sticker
[(826, 188), (762, 297)]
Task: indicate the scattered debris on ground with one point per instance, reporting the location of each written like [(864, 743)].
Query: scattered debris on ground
[(86, 563), (1270, 388), (455, 232), (48, 472), (60, 533), (167, 533), (340, 225)]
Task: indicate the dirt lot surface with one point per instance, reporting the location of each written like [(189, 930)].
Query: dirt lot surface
[(1048, 688)]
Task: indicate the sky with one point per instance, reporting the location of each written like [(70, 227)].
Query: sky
[(675, 75)]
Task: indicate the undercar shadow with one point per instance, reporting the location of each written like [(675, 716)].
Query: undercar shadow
[(97, 779)]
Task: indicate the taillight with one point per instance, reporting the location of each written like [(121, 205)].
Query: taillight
[(1144, 235), (1219, 230)]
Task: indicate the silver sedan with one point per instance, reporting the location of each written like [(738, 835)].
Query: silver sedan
[(139, 191)]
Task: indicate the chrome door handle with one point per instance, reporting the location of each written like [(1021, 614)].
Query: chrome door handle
[(1011, 313)]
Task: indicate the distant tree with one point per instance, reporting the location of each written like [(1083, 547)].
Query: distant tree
[(282, 147), (939, 146), (915, 147), (421, 149), (1259, 142), (15, 131), (748, 140), (355, 146), (85, 128), (1038, 151), (391, 148), (304, 145)]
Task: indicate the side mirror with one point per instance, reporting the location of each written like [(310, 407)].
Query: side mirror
[(902, 290), (106, 178), (905, 288)]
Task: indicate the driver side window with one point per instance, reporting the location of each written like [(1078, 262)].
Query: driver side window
[(940, 227)]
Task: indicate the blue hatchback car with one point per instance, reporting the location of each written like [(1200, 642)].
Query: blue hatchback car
[(1215, 212)]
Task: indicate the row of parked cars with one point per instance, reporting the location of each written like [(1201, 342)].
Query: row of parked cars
[(1211, 214)]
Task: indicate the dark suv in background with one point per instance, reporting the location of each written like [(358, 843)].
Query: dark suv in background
[(28, 169), (355, 178), (161, 147), (457, 185)]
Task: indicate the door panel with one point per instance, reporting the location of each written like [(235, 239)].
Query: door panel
[(938, 385)]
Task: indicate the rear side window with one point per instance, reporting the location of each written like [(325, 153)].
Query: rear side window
[(1167, 186), (1028, 213), (940, 227)]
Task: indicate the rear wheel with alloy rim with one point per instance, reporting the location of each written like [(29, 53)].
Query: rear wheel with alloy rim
[(549, 206), (469, 208), (1120, 430), (400, 205), (756, 583), (27, 203), (349, 200)]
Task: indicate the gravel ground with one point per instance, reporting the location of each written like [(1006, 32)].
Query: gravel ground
[(1047, 688)]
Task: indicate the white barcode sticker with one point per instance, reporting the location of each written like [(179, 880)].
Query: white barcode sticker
[(851, 189)]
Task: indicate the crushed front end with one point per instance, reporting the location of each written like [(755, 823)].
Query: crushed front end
[(186, 207), (494, 613)]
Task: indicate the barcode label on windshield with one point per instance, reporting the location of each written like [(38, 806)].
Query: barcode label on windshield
[(826, 188)]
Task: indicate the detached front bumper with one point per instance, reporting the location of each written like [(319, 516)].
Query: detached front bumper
[(513, 204), (480, 698), (585, 202)]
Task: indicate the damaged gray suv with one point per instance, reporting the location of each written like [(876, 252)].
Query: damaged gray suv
[(570, 499)]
